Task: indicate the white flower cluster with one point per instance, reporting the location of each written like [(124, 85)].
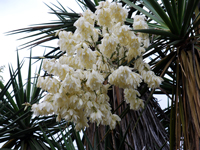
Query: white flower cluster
[(79, 80), (148, 76), (140, 23)]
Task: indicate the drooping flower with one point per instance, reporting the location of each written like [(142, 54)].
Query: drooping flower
[(124, 78), (43, 108), (139, 22), (103, 14), (96, 117), (86, 30), (151, 79), (89, 16), (140, 65), (49, 84), (71, 61), (67, 42), (56, 68), (86, 55), (94, 80), (70, 85), (102, 65), (118, 13), (134, 48), (114, 119), (108, 45), (130, 96), (123, 33)]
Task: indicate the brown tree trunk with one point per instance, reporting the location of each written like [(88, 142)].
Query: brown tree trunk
[(146, 132)]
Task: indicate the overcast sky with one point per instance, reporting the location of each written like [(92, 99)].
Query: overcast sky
[(16, 14)]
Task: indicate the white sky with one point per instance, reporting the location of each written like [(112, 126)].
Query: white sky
[(16, 14)]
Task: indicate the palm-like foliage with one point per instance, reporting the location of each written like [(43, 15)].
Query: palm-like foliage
[(18, 129), (175, 45), (174, 54)]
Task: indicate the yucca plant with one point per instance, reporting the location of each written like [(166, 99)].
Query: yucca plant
[(174, 55), (18, 128), (128, 131), (67, 138)]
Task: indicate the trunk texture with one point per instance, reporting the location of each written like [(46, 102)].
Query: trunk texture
[(145, 133)]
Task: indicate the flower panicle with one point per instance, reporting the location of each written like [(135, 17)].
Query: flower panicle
[(78, 90)]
